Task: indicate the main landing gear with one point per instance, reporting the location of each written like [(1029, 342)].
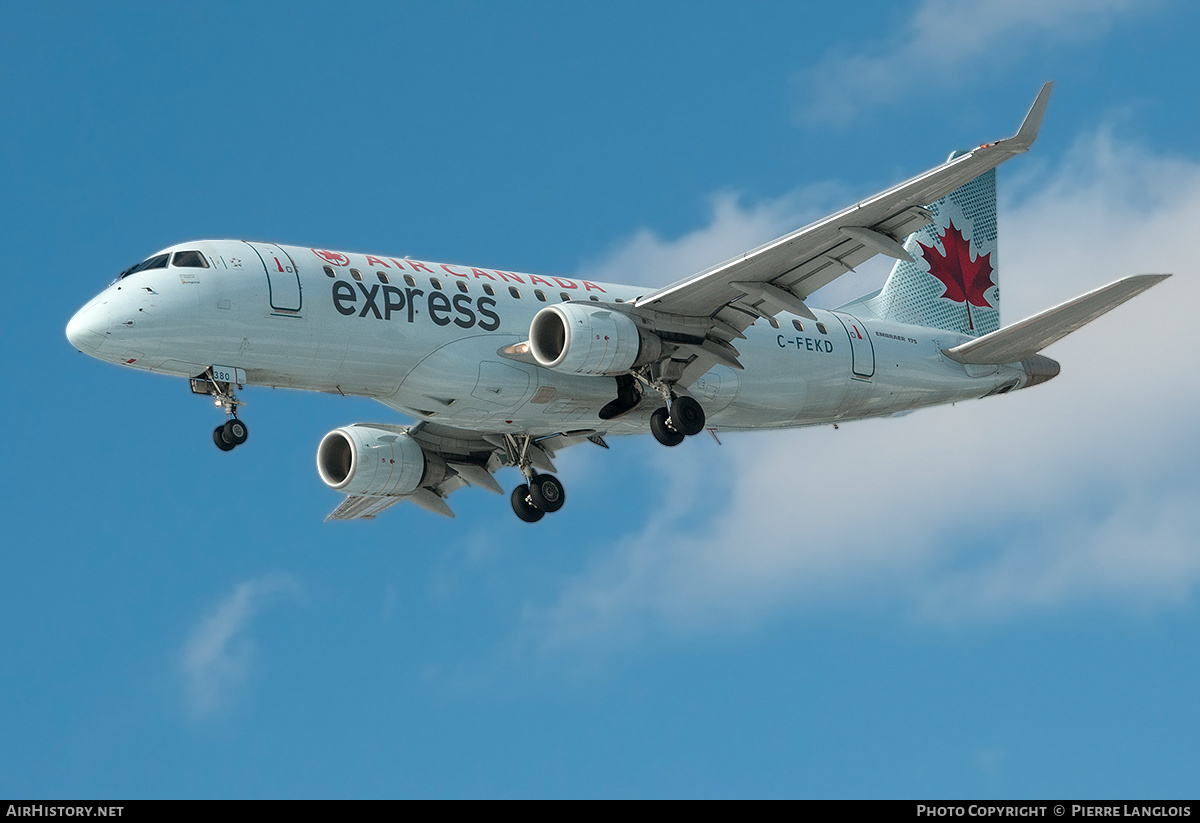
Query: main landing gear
[(540, 494), (684, 416)]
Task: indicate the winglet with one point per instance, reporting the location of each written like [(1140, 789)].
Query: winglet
[(1023, 139)]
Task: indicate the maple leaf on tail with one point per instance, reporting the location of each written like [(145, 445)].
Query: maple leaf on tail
[(966, 280)]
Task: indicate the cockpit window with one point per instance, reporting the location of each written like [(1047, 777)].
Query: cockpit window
[(190, 259), (157, 262)]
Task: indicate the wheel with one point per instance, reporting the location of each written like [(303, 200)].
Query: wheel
[(219, 438), (547, 493), (236, 432), (687, 415), (660, 427), (525, 509)]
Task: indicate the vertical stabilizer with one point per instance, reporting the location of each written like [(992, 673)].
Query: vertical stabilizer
[(953, 283)]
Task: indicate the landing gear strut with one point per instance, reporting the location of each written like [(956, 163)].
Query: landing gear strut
[(540, 494)]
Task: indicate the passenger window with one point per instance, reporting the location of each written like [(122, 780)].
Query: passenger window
[(619, 300), (595, 299), (566, 298), (408, 278), (821, 328), (489, 290), (799, 326), (437, 284), (356, 274), (513, 291), (540, 295), (462, 286), (329, 272), (774, 323), (383, 278), (190, 260)]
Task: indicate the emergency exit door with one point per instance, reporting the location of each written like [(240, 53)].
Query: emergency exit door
[(862, 350)]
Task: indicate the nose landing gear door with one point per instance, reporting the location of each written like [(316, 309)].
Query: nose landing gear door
[(283, 278)]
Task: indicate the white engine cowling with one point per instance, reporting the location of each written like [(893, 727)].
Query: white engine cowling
[(375, 462), (587, 339)]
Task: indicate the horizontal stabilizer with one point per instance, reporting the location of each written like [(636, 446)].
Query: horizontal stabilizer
[(1024, 339)]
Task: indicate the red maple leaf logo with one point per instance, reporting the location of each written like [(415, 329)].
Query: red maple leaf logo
[(336, 258), (966, 280)]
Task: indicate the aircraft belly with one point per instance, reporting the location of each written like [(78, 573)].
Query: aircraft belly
[(464, 381)]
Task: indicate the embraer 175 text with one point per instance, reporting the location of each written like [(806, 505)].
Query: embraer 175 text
[(504, 369)]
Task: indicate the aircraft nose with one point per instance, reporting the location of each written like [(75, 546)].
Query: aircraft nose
[(87, 329)]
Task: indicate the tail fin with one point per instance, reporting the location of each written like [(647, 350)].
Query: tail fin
[(953, 283)]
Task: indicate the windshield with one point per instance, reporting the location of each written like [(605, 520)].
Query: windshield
[(190, 259), (159, 261)]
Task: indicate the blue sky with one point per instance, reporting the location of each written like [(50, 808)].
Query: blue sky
[(996, 599)]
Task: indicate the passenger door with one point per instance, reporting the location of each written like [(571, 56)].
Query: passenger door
[(283, 278)]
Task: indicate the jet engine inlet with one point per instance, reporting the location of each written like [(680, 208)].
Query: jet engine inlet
[(365, 460), (588, 339)]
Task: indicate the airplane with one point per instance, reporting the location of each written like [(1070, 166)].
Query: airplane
[(502, 368)]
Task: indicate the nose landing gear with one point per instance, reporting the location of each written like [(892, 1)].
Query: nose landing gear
[(230, 434), (233, 432)]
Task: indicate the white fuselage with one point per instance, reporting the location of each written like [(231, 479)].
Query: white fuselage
[(426, 341)]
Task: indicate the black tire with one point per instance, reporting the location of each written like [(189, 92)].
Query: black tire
[(687, 415), (660, 427), (547, 493), (236, 432), (521, 505), (219, 438)]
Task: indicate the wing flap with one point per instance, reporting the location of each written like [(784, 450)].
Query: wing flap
[(430, 501), (1028, 337), (357, 507), (477, 476)]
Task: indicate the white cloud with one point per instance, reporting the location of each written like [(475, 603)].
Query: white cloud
[(948, 44), (1082, 490), (733, 227), (217, 656)]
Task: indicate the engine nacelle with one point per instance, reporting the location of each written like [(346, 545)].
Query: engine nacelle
[(375, 462), (587, 339)]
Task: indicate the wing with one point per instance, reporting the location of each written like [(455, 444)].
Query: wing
[(780, 275), (471, 458)]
